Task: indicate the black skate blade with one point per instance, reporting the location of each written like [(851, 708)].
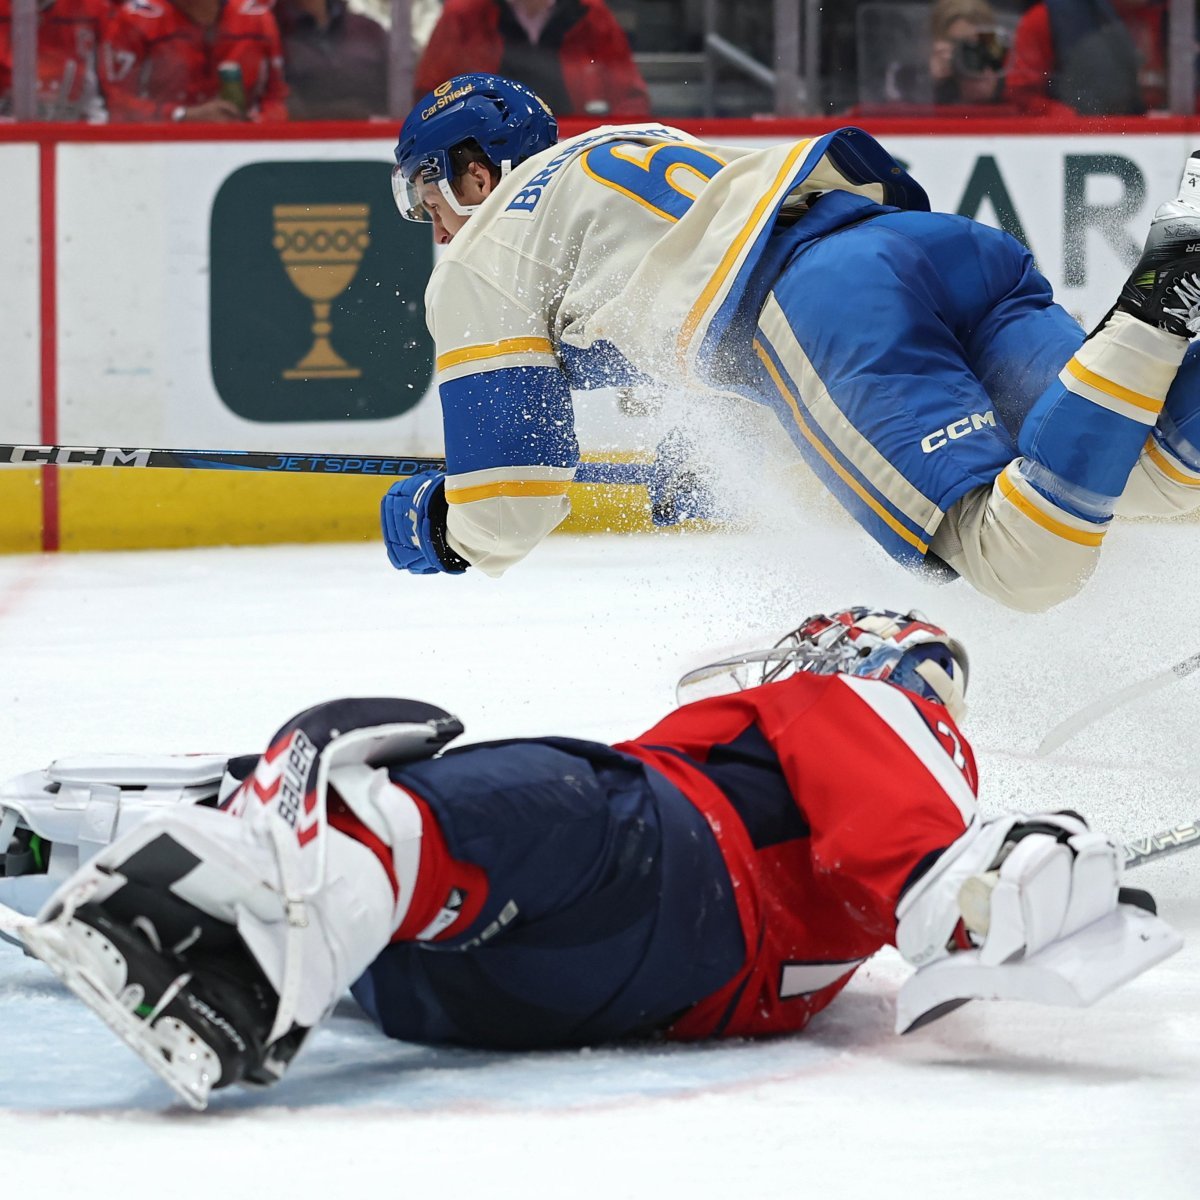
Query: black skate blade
[(190, 1076)]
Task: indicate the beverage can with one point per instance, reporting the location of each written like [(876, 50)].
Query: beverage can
[(229, 84)]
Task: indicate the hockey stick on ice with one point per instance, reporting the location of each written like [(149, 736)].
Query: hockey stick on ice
[(263, 460), (1065, 730), (1160, 845)]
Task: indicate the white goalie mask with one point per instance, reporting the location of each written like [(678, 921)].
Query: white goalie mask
[(902, 648)]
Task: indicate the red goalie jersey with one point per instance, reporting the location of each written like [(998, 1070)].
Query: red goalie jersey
[(827, 795)]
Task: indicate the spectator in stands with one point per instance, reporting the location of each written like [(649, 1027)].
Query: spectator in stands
[(967, 55), (423, 16), (952, 53), (335, 61), (571, 52), (164, 60), (1089, 56), (68, 32)]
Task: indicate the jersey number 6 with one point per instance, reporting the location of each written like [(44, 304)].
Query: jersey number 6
[(665, 178)]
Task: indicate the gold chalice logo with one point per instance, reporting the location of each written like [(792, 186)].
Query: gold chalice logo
[(321, 246)]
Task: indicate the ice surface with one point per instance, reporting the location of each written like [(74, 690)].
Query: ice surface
[(211, 650)]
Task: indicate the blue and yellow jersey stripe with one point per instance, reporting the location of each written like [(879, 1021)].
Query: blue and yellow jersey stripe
[(492, 356), (516, 482), (508, 416)]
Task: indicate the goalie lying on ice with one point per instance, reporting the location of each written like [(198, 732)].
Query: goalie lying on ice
[(724, 874)]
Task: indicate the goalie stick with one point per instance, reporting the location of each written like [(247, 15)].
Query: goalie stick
[(1065, 730), (306, 463), (1160, 845)]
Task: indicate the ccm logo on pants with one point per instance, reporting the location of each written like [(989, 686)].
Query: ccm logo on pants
[(956, 430)]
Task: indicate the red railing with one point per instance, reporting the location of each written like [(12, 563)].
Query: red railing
[(960, 122)]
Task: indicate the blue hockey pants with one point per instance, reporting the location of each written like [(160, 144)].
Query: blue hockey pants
[(917, 359)]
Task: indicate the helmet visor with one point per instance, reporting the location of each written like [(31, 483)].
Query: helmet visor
[(407, 197), (410, 194)]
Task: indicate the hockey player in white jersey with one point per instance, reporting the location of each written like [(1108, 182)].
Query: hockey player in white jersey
[(917, 360)]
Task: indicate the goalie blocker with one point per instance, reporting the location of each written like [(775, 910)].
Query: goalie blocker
[(710, 878)]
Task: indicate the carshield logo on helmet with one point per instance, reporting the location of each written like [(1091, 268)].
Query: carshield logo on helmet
[(446, 98), (505, 119)]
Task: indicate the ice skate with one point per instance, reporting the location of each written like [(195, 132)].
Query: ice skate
[(1164, 289), (198, 1023)]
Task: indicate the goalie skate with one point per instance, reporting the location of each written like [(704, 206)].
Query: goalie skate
[(197, 1027)]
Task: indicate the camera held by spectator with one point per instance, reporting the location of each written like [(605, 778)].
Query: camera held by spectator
[(968, 55)]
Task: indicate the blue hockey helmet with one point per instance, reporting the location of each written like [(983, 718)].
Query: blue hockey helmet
[(903, 648), (507, 120)]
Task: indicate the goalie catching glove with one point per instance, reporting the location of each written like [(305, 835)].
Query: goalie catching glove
[(1024, 908)]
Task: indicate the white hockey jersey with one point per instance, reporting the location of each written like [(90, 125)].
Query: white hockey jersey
[(616, 257)]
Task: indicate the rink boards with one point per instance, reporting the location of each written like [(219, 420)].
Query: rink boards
[(244, 291)]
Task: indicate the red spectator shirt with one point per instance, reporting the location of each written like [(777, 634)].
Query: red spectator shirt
[(882, 782), (155, 59), (596, 63), (68, 32), (1033, 60)]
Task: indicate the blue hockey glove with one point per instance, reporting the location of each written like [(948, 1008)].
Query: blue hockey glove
[(413, 516)]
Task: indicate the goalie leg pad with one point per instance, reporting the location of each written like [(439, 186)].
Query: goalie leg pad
[(267, 900), (356, 890), (213, 944), (310, 937)]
